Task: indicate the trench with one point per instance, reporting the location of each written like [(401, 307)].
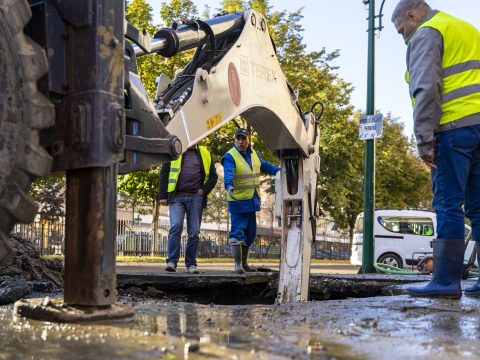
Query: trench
[(258, 289), (27, 273)]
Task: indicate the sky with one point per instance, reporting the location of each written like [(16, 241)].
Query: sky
[(342, 25)]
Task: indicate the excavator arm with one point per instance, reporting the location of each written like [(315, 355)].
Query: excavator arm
[(240, 75)]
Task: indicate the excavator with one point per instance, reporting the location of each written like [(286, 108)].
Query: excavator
[(72, 101)]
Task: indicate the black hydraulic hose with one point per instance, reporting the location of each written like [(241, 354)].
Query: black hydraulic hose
[(213, 44), (312, 218), (317, 117)]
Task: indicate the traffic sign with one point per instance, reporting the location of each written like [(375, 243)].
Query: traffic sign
[(370, 127)]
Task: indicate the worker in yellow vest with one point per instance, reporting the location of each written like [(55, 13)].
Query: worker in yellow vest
[(443, 73), (242, 167), (184, 185)]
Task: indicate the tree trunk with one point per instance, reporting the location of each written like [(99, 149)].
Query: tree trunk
[(156, 214)]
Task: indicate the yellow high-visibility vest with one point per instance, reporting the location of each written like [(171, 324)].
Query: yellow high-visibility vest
[(176, 167), (461, 67), (247, 179)]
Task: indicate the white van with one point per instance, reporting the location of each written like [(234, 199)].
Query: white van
[(402, 237)]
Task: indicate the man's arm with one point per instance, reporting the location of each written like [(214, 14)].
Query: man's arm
[(424, 59), (228, 170), (267, 167), (163, 182), (212, 180)]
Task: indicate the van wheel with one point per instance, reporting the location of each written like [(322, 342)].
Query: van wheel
[(391, 259)]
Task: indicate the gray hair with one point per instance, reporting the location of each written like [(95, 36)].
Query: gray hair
[(404, 6)]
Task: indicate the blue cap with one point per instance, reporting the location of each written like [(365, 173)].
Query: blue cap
[(242, 132)]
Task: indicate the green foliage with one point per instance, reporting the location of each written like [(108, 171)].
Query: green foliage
[(217, 209), (402, 180), (139, 14), (140, 187), (233, 5), (177, 10), (49, 193)]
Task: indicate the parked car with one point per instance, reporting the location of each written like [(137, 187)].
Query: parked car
[(402, 237)]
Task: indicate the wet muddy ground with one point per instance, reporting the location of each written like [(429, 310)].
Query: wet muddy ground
[(392, 327), (226, 316)]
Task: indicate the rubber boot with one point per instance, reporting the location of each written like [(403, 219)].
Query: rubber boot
[(475, 289), (447, 271), (237, 256), (245, 265)]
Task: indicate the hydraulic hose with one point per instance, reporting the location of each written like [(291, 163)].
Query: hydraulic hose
[(393, 270)]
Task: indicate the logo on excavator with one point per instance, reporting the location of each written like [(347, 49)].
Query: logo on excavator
[(234, 84)]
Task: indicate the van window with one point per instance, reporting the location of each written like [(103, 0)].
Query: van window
[(407, 225), (358, 229)]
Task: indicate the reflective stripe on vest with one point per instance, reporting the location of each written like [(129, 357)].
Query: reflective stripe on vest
[(247, 179), (176, 167), (460, 65)]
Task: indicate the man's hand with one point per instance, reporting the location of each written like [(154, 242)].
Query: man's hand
[(230, 192), (429, 159), (163, 202), (200, 192)]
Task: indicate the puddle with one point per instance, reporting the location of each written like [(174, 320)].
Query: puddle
[(370, 328)]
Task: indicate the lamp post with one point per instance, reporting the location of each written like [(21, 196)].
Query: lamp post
[(369, 182)]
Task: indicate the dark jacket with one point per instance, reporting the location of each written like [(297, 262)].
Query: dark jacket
[(207, 187)]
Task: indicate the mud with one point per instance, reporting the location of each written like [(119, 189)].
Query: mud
[(395, 327), (226, 288), (26, 272), (180, 317)]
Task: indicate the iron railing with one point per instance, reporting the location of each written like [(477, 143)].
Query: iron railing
[(49, 239)]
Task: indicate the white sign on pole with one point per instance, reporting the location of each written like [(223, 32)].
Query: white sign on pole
[(371, 127)]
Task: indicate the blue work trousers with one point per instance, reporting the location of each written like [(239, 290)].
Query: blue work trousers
[(192, 206), (456, 182), (244, 227)]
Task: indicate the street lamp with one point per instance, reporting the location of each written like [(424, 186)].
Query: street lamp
[(369, 182)]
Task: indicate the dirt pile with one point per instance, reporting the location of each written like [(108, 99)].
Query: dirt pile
[(27, 272)]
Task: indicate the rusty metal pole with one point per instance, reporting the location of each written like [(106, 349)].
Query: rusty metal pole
[(95, 123), (90, 247)]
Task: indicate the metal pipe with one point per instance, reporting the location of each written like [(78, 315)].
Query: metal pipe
[(168, 40), (90, 237)]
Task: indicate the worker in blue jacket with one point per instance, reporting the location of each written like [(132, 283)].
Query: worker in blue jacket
[(242, 167)]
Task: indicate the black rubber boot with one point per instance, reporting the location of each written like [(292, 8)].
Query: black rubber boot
[(245, 265), (237, 256), (447, 270), (475, 289)]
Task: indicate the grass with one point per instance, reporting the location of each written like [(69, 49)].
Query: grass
[(161, 259)]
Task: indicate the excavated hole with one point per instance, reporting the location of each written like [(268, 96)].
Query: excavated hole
[(322, 287)]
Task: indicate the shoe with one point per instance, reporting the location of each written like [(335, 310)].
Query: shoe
[(245, 265), (447, 271), (171, 267), (192, 269)]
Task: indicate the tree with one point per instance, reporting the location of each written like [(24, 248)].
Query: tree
[(141, 189), (401, 177), (233, 5), (217, 209), (403, 180), (49, 193)]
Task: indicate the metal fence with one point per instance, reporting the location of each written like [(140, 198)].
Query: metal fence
[(49, 239)]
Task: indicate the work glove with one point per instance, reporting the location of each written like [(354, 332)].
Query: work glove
[(230, 192)]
